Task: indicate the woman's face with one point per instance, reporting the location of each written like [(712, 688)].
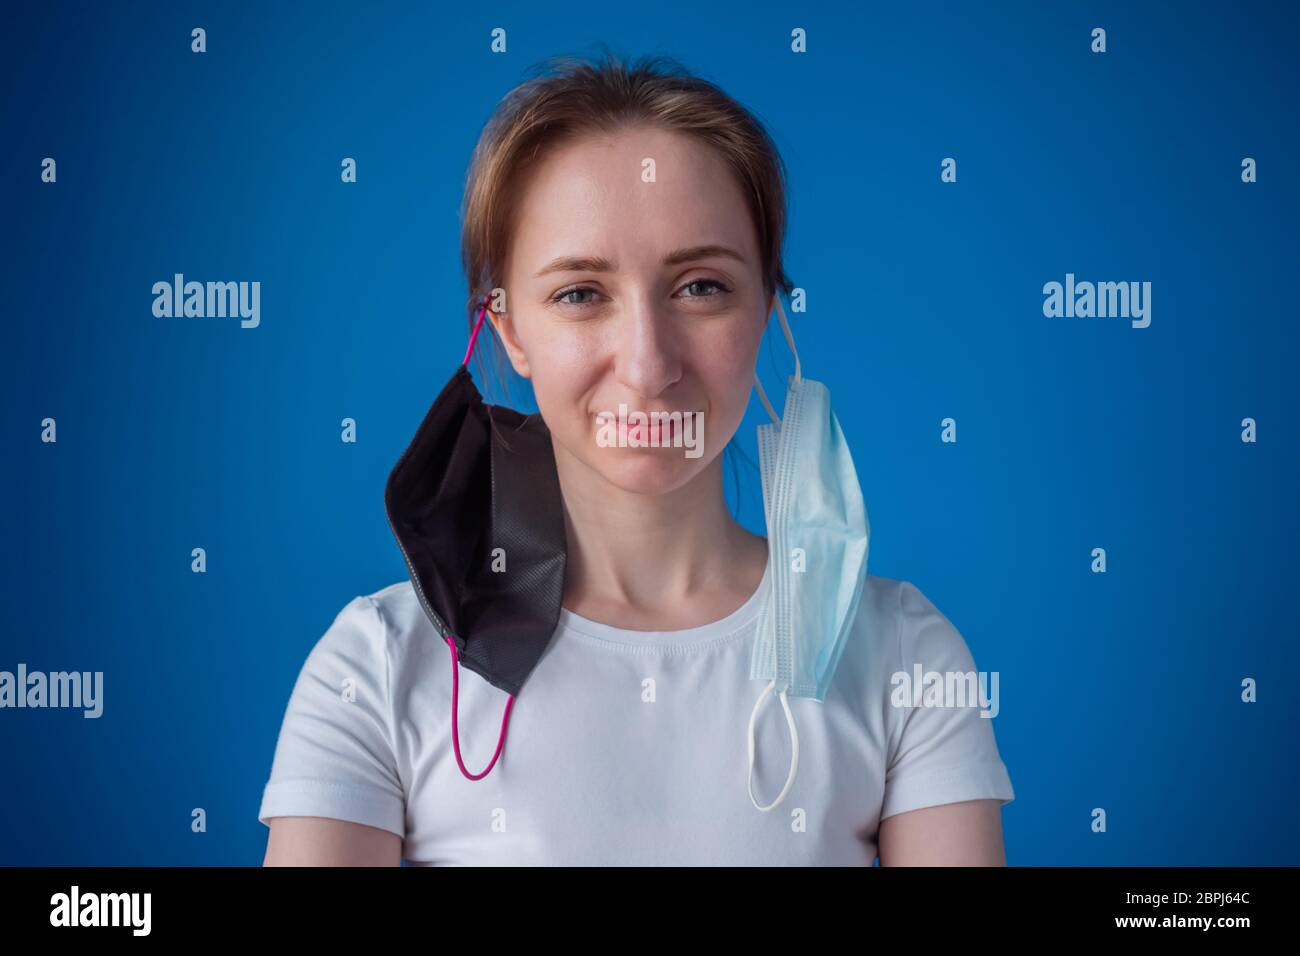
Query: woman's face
[(635, 293)]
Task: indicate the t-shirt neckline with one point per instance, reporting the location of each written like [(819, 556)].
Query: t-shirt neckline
[(731, 626)]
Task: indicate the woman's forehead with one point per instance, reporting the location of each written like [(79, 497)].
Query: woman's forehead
[(629, 200)]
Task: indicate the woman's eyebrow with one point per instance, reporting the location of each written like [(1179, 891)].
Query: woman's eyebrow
[(675, 258)]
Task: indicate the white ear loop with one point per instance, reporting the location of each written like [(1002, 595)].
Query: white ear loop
[(794, 746), (798, 376), (781, 695)]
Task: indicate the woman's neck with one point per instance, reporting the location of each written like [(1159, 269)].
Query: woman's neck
[(655, 562)]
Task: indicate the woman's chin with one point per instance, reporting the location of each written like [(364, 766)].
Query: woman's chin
[(648, 471)]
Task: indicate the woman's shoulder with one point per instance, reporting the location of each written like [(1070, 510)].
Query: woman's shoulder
[(935, 707), (897, 625), (381, 638), (372, 626), (396, 605), (401, 622), (397, 602)]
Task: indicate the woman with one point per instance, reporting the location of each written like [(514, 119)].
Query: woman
[(648, 290)]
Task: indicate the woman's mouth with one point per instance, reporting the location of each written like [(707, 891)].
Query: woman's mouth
[(652, 433), (641, 429)]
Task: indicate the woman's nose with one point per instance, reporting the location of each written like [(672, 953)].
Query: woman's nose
[(648, 350)]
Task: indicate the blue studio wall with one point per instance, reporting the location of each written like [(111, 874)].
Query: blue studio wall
[(1166, 161)]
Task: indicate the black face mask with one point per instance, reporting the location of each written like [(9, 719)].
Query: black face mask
[(475, 507)]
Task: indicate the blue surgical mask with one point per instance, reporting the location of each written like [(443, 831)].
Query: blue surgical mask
[(817, 536)]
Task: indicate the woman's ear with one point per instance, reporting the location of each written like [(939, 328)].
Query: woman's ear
[(504, 325)]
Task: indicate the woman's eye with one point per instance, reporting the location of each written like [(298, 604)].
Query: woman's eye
[(564, 294), (706, 282)]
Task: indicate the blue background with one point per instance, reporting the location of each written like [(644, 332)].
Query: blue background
[(1118, 690)]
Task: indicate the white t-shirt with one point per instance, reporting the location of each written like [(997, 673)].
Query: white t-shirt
[(627, 747)]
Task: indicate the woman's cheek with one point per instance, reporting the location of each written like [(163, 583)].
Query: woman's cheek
[(561, 409)]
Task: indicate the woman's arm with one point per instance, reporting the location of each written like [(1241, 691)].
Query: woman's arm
[(319, 841), (335, 796), (954, 834)]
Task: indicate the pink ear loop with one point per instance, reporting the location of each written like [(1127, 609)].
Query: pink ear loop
[(455, 729), (473, 336), (455, 661)]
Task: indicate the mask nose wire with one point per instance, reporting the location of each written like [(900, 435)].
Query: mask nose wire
[(798, 373)]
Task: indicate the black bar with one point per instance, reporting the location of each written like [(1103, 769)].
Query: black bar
[(244, 904)]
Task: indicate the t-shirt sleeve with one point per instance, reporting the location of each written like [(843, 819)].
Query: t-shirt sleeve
[(938, 754), (335, 754)]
